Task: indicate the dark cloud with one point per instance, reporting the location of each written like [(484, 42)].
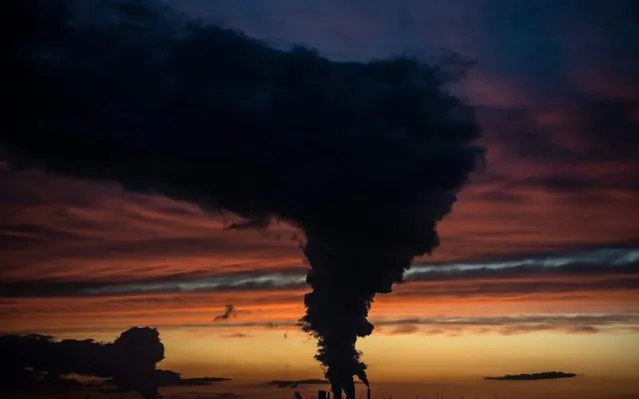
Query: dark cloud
[(29, 236), (501, 197), (518, 131), (579, 323), (258, 224), (550, 321), (610, 128), (297, 383), (236, 335), (599, 129), (583, 330), (22, 236), (223, 395), (34, 188), (183, 282), (533, 288), (129, 362), (571, 183), (544, 375), (202, 380)]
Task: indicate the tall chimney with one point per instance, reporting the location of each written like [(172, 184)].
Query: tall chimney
[(349, 389), (368, 393), (321, 394), (337, 392)]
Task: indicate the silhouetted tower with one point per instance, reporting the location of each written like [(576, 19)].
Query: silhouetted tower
[(337, 392), (349, 389)]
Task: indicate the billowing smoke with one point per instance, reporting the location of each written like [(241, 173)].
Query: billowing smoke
[(364, 157), (129, 361)]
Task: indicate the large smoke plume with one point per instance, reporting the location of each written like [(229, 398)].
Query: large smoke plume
[(364, 157)]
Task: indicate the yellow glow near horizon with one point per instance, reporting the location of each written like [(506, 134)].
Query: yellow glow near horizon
[(404, 358)]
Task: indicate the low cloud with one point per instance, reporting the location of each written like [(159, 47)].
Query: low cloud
[(510, 325), (223, 395), (585, 323), (404, 329), (237, 335), (298, 383), (545, 375), (454, 326)]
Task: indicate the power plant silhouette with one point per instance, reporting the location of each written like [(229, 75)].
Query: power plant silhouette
[(337, 394)]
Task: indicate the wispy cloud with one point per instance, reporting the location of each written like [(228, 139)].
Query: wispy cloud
[(235, 335), (544, 375), (451, 326), (509, 325), (503, 325), (606, 263), (585, 323)]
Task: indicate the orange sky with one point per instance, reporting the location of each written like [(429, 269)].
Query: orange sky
[(67, 232), (538, 268)]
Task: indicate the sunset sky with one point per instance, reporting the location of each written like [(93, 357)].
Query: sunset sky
[(538, 267)]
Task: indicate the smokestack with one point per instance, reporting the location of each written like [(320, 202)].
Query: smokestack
[(368, 393), (321, 394), (337, 392), (349, 389)]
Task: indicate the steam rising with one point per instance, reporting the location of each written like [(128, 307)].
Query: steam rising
[(364, 157)]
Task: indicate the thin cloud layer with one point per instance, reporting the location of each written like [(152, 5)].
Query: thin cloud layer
[(544, 375), (608, 268), (579, 324), (510, 325)]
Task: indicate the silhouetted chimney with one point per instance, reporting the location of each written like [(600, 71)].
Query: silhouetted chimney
[(337, 393), (368, 393), (349, 389), (321, 394)]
